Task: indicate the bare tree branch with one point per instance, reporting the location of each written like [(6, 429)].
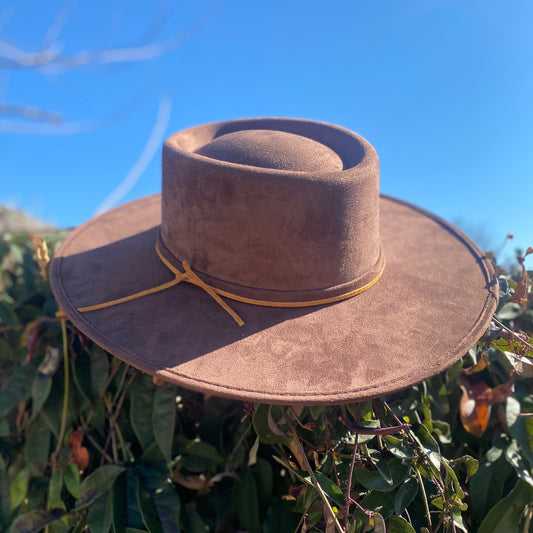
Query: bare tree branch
[(13, 57), (19, 127), (30, 113), (61, 18)]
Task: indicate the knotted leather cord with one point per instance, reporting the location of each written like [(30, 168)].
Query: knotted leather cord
[(190, 277)]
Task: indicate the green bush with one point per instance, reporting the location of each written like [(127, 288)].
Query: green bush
[(88, 443)]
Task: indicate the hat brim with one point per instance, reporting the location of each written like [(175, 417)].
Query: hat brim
[(435, 299)]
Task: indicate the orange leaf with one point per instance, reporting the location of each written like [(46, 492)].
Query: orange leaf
[(80, 454), (474, 408), (478, 367)]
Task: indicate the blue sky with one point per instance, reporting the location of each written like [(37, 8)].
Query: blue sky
[(441, 88)]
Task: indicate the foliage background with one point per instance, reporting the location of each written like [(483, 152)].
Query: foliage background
[(89, 443)]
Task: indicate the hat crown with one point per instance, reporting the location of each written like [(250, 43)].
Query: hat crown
[(278, 150), (305, 231)]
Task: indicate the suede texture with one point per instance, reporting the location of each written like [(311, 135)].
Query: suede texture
[(277, 234), (435, 299)]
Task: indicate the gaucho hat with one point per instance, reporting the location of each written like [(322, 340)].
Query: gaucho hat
[(271, 270)]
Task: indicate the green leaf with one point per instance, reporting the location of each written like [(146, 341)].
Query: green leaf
[(280, 518), (486, 486), (19, 487), (405, 495), (81, 379), (246, 502), (192, 521), (506, 514), (142, 406), (397, 524), (100, 516), (8, 316), (198, 456), (42, 385), (54, 490), (6, 353), (510, 311), (381, 465), (5, 498), (147, 508), (164, 418), (98, 483), (264, 478), (164, 498), (125, 507), (264, 429), (379, 524), (520, 428), (99, 365), (329, 487), (35, 520), (72, 480), (18, 388), (428, 443), (398, 447), (373, 480), (470, 464), (37, 443), (512, 454), (450, 475)]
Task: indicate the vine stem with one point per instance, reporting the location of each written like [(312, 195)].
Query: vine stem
[(61, 315), (426, 504), (317, 486), (114, 417)]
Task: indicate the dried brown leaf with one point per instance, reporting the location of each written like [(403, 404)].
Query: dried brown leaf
[(522, 289), (500, 393), (199, 483), (41, 254)]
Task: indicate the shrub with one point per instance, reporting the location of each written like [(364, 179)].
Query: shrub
[(89, 443)]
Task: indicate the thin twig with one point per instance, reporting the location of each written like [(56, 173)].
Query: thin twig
[(109, 379), (65, 391), (114, 418), (120, 385), (422, 488), (330, 450), (98, 447), (311, 473), (349, 488), (515, 335), (362, 430)]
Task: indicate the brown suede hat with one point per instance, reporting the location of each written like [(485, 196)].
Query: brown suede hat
[(271, 270)]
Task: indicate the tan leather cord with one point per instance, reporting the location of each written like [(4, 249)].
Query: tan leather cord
[(190, 277)]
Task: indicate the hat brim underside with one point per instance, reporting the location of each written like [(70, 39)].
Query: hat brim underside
[(434, 300)]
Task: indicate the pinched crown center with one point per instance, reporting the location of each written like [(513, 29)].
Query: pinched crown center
[(273, 149)]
